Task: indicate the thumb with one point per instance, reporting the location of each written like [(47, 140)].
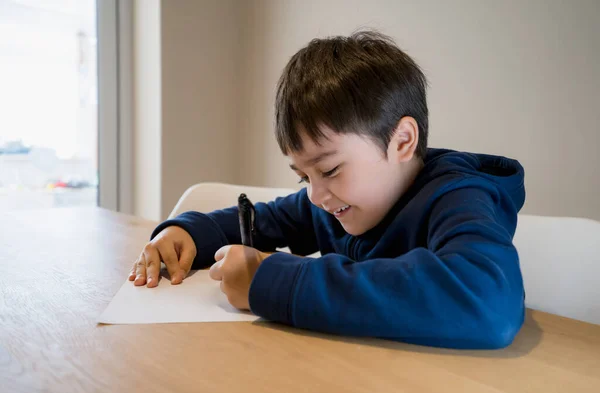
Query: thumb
[(215, 271), (220, 254)]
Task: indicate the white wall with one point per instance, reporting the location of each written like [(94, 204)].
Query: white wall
[(147, 110), (515, 78), (186, 77), (201, 45)]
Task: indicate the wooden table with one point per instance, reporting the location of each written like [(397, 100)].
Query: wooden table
[(60, 268)]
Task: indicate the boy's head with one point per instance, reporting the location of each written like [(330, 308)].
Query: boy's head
[(357, 105)]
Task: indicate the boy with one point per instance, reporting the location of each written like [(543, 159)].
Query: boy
[(416, 243)]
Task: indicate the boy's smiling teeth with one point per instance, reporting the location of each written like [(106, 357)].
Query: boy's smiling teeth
[(341, 209)]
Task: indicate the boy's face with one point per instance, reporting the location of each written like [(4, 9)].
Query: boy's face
[(349, 177)]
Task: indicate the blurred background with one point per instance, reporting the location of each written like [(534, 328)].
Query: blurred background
[(126, 103), (48, 104)]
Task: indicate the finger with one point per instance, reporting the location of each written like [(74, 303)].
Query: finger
[(186, 259), (215, 271), (221, 252), (169, 257), (140, 271), (152, 258), (132, 272)]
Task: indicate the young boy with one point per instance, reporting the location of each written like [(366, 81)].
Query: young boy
[(416, 243)]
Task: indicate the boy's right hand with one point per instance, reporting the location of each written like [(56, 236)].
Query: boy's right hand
[(175, 247)]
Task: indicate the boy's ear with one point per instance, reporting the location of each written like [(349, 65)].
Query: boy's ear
[(404, 141)]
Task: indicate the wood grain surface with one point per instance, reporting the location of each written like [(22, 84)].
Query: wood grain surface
[(60, 268)]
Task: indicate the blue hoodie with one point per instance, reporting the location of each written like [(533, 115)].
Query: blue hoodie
[(440, 269)]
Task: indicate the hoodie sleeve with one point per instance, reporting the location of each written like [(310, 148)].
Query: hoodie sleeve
[(285, 222), (463, 291)]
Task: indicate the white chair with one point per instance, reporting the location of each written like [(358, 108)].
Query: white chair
[(560, 261), (207, 197)]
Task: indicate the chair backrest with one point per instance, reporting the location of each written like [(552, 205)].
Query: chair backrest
[(207, 197), (560, 261)]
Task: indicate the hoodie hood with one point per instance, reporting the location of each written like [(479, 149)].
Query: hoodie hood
[(506, 173), (445, 171)]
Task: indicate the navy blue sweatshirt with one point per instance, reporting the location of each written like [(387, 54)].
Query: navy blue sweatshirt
[(440, 269)]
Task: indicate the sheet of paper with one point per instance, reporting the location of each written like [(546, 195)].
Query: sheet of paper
[(197, 299)]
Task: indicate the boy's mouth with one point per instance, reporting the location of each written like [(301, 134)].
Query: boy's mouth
[(341, 211)]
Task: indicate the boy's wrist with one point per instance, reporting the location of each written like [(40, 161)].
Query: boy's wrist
[(271, 290)]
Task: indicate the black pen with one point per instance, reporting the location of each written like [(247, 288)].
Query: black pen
[(246, 214)]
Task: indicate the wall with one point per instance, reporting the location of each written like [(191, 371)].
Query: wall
[(515, 78), (186, 96), (201, 46), (520, 79), (147, 110)]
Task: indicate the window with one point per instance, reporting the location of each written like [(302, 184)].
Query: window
[(49, 105)]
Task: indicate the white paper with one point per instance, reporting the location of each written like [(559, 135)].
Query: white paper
[(197, 299)]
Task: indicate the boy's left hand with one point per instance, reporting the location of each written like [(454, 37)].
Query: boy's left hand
[(235, 268)]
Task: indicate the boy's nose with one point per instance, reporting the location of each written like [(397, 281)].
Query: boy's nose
[(318, 194)]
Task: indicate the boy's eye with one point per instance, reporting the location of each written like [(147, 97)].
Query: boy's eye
[(304, 179), (331, 172)]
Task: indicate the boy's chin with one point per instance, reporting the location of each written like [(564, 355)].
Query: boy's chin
[(353, 230)]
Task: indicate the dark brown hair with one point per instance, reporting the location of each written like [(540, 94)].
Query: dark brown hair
[(362, 84)]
